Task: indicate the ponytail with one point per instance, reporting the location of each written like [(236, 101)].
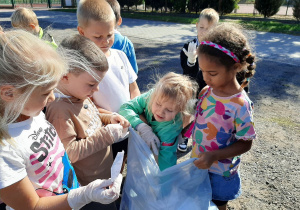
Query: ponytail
[(250, 69)]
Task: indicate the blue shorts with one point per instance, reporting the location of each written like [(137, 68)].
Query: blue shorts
[(225, 188)]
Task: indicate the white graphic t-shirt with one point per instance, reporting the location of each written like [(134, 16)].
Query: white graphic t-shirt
[(36, 152)]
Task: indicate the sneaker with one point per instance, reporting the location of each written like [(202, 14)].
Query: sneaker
[(182, 147)]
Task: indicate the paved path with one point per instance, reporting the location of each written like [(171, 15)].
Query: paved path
[(158, 43), (270, 46)]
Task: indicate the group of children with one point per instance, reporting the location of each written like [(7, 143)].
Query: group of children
[(84, 83)]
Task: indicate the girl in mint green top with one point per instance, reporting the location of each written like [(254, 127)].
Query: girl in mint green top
[(164, 107)]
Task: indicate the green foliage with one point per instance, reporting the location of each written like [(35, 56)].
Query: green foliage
[(138, 2), (272, 26), (296, 9), (227, 6), (268, 8), (180, 5), (128, 3), (155, 4), (197, 5), (221, 6)]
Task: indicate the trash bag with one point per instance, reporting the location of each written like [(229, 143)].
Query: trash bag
[(179, 187)]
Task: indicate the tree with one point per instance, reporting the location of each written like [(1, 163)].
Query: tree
[(155, 4), (227, 6), (180, 5), (138, 2), (196, 5), (268, 8), (128, 3), (221, 6), (296, 9)]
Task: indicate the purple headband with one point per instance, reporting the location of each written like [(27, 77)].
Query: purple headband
[(223, 49)]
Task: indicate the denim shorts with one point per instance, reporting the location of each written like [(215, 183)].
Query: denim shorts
[(225, 188)]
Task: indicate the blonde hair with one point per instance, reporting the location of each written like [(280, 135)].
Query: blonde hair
[(210, 14), (26, 63), (23, 17), (116, 8), (86, 56), (174, 86), (98, 10)]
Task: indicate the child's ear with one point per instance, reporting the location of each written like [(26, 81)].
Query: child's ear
[(80, 30), (237, 67), (32, 26), (65, 78), (119, 21), (7, 93)]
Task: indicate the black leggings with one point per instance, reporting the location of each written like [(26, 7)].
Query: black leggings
[(219, 203)]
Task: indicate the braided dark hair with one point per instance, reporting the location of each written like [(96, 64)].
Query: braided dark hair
[(231, 37)]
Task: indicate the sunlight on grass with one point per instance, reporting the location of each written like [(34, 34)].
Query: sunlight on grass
[(258, 25), (272, 26), (285, 122)]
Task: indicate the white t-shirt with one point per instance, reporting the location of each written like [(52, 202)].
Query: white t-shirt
[(114, 87), (36, 152)]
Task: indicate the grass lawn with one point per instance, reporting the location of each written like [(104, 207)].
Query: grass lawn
[(259, 24)]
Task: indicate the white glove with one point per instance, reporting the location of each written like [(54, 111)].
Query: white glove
[(117, 131), (95, 191), (149, 137), (191, 53)]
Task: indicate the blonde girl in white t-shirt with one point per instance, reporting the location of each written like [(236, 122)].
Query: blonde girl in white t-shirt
[(31, 154)]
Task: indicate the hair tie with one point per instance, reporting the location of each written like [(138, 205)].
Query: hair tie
[(252, 64), (223, 49)]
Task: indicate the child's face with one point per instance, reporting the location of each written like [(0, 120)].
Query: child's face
[(216, 75), (81, 86), (101, 33), (203, 26), (38, 100), (164, 109)]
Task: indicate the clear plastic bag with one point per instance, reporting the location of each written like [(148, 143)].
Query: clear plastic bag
[(182, 186)]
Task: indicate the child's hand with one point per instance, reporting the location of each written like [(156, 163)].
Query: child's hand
[(102, 191), (149, 137), (191, 53), (205, 160), (118, 119)]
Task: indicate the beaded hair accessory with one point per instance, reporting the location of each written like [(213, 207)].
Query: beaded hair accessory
[(223, 49)]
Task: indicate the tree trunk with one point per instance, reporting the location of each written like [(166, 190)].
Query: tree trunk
[(219, 7), (166, 6)]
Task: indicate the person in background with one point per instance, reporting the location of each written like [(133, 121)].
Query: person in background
[(223, 128), (26, 19), (35, 171), (122, 42), (208, 18)]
